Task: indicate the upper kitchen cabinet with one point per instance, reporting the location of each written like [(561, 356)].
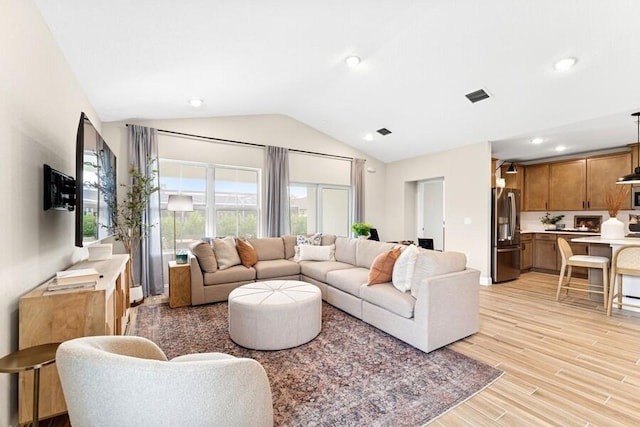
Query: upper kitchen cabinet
[(568, 185), (602, 174), (536, 187), (574, 185)]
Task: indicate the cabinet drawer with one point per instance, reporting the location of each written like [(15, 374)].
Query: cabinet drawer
[(542, 236), (526, 237)]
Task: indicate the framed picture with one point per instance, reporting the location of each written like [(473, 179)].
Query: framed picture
[(590, 222)]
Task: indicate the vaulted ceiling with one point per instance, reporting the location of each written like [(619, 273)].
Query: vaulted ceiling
[(147, 58)]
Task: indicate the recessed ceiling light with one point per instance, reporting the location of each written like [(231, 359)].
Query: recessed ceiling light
[(537, 141), (196, 102), (565, 64), (352, 61), (368, 137), (560, 148)]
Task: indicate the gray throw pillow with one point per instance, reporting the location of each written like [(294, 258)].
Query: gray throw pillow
[(226, 252), (206, 257)]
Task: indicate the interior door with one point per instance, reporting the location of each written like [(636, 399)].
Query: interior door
[(431, 211)]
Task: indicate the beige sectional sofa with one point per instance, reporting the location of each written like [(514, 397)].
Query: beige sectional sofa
[(441, 306)]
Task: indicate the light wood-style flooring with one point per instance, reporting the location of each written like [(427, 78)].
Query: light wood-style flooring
[(565, 363)]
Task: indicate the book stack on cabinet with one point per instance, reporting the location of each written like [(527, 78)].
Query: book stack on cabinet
[(55, 316)]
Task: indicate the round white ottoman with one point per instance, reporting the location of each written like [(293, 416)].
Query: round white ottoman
[(275, 314)]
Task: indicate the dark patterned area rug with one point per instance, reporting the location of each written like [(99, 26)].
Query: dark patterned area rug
[(351, 374)]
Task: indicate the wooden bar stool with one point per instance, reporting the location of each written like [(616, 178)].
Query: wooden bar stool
[(570, 260), (626, 261)]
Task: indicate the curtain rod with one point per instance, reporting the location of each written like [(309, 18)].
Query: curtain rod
[(252, 144)]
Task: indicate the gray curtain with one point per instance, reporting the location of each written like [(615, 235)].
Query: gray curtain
[(277, 194), (357, 184), (147, 268)]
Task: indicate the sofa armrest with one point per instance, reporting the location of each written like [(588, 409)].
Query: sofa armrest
[(448, 306), (197, 281)]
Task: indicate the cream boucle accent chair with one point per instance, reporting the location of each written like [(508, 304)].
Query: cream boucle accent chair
[(128, 381)]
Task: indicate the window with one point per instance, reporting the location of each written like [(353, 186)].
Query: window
[(236, 202), (233, 212), (319, 208), (188, 179)]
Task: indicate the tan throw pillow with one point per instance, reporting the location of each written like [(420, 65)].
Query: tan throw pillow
[(247, 253), (382, 267), (226, 252), (206, 258)]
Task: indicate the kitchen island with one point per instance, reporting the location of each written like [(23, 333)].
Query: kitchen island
[(601, 246)]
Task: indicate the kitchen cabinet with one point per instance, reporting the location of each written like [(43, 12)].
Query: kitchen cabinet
[(544, 252), (574, 185), (568, 185), (602, 173), (526, 251), (536, 187)]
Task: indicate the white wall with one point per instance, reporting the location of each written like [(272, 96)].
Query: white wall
[(40, 105), (467, 194), (269, 129)]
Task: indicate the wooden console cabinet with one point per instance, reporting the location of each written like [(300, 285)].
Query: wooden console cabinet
[(56, 317)]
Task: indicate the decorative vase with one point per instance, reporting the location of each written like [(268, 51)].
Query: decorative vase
[(612, 228), (135, 295)]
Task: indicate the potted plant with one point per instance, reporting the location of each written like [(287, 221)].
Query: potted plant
[(360, 229), (550, 221), (126, 223)]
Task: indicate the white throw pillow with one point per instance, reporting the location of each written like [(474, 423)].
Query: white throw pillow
[(315, 240), (226, 252), (403, 269), (317, 253)]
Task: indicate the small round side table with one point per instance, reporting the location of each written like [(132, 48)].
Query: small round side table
[(27, 359)]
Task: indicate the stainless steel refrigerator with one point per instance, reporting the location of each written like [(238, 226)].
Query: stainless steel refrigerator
[(505, 234)]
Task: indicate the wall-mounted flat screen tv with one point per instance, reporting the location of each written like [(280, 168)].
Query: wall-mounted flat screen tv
[(96, 188)]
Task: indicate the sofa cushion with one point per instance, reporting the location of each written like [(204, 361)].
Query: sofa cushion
[(206, 258), (273, 268), (348, 280), (317, 253), (382, 267), (289, 246), (226, 252), (346, 250), (368, 250), (402, 276), (434, 263), (268, 248), (328, 239), (388, 297), (248, 255), (318, 269), (237, 273)]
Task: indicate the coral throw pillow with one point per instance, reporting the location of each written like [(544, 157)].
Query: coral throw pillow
[(382, 267), (247, 253)]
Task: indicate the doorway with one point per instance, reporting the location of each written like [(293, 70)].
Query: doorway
[(430, 203)]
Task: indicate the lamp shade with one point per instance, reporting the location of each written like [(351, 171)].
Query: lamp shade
[(180, 203), (512, 169)]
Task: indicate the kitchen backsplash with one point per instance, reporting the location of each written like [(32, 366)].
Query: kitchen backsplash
[(530, 221)]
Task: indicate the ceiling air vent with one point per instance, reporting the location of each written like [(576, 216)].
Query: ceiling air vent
[(476, 96), (383, 131)]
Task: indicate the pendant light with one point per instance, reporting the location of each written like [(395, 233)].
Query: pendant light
[(512, 169), (633, 178)]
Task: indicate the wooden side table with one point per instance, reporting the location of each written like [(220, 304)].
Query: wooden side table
[(27, 359), (179, 284)]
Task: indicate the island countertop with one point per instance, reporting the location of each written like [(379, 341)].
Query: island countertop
[(606, 241)]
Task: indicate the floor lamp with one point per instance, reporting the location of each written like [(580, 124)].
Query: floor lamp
[(178, 203)]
